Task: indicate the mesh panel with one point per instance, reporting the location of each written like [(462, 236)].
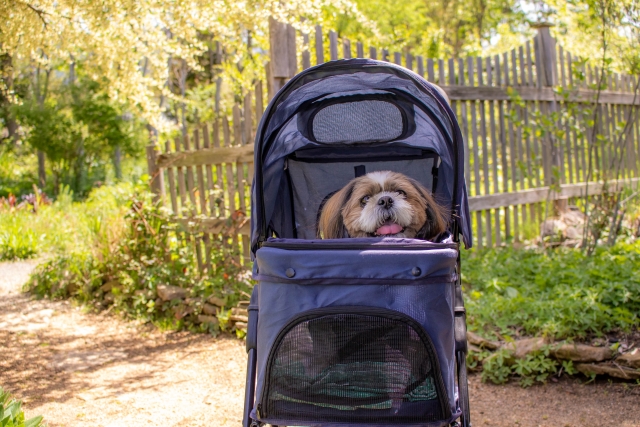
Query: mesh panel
[(362, 121), (352, 368)]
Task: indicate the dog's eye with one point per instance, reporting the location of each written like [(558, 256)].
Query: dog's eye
[(364, 200), (401, 192)]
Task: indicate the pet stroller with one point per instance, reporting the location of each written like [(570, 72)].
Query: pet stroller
[(355, 331)]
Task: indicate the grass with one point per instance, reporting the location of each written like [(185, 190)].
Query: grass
[(65, 226)]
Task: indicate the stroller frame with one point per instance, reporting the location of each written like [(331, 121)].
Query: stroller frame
[(266, 334)]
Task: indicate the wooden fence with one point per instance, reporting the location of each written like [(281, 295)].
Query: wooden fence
[(525, 139)]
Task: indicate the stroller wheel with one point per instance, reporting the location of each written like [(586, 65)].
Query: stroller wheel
[(463, 390)]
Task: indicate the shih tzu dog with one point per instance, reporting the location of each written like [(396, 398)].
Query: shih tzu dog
[(382, 204)]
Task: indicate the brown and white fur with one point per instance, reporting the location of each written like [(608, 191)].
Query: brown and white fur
[(382, 204)]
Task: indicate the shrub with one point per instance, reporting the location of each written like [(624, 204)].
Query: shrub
[(124, 268), (560, 293), (11, 414)]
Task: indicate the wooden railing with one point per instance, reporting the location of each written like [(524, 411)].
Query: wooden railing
[(510, 173)]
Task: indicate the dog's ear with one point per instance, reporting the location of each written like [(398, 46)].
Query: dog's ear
[(436, 214), (330, 224)]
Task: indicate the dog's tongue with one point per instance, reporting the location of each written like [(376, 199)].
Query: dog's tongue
[(388, 228)]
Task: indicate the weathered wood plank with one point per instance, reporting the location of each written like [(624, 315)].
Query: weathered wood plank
[(215, 225), (212, 156), (172, 183), (542, 194), (489, 93), (333, 45), (346, 48), (319, 46)]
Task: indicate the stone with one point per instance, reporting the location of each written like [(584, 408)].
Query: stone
[(608, 369), (168, 292), (581, 353), (241, 325), (110, 285), (525, 346), (216, 301), (244, 304), (180, 311), (237, 318), (202, 318), (209, 309), (631, 358), (477, 340), (239, 311)]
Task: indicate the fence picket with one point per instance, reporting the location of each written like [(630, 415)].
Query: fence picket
[(507, 166)]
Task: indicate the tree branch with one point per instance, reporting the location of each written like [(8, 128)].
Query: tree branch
[(38, 12)]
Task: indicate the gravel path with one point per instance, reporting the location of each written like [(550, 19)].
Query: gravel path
[(85, 369)]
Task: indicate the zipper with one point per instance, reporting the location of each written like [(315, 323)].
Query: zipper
[(358, 310), (319, 245)]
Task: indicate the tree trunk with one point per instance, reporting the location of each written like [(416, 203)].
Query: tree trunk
[(117, 162), (42, 175)]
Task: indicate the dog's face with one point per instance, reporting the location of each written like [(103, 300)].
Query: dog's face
[(382, 204)]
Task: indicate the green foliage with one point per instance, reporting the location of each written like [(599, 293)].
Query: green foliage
[(65, 226), (500, 366), (11, 414), (16, 242), (126, 264), (78, 128), (561, 293)]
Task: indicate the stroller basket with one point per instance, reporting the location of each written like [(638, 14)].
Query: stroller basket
[(364, 364)]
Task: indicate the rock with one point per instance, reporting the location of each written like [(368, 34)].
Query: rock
[(525, 346), (108, 297), (212, 320), (244, 304), (241, 325), (110, 285), (209, 309), (168, 292), (237, 318), (476, 339), (180, 311), (581, 353), (631, 358), (607, 369), (239, 311), (216, 301)]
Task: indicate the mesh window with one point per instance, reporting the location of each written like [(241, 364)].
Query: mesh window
[(353, 368), (361, 121)]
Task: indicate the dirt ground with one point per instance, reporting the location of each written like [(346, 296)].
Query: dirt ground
[(84, 369)]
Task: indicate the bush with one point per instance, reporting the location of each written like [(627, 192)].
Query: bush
[(11, 414), (16, 242), (125, 267), (28, 230), (560, 293)]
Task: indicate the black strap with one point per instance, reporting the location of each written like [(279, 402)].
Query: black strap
[(360, 170)]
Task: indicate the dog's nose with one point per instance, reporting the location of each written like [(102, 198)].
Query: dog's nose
[(385, 201)]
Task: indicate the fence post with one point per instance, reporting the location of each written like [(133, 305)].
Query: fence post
[(282, 52), (549, 79), (156, 179)]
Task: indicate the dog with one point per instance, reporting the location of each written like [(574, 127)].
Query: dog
[(382, 204)]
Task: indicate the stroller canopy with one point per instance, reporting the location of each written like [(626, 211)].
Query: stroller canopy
[(345, 118)]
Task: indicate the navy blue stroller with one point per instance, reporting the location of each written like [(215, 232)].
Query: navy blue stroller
[(355, 331)]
